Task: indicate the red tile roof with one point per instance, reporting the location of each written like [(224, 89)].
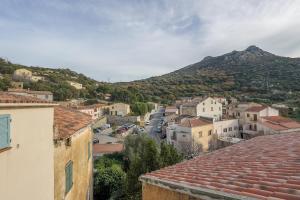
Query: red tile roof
[(279, 123), (67, 122), (256, 108), (5, 97), (194, 122), (107, 148), (265, 167)]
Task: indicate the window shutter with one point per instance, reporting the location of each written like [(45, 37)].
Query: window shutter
[(69, 176), (4, 131)]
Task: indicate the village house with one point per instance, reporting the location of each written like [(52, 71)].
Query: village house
[(73, 163), (22, 75), (207, 107), (170, 110), (26, 148), (224, 103), (119, 109), (227, 128), (44, 95), (45, 150), (237, 110), (191, 135), (96, 110), (76, 85), (265, 167), (277, 125), (253, 115)]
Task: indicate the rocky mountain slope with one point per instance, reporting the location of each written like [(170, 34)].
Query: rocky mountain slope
[(249, 74)]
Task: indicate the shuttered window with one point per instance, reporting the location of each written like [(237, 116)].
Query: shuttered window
[(4, 131), (69, 176)]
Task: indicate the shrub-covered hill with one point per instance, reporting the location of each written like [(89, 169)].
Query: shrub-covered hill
[(55, 81), (249, 74)]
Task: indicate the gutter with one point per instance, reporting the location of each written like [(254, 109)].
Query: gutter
[(195, 191)]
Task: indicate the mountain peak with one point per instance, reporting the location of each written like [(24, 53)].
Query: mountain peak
[(253, 48)]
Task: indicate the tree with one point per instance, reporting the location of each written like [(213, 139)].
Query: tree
[(109, 179), (168, 155)]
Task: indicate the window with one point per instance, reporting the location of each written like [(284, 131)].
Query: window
[(235, 128), (203, 109), (183, 135), (248, 115), (200, 134), (69, 176), (4, 131), (225, 130), (203, 103), (89, 150), (219, 108), (209, 132), (212, 109), (212, 102), (230, 129)]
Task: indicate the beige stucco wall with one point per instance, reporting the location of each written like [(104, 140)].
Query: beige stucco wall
[(204, 140), (26, 170), (186, 135), (82, 167)]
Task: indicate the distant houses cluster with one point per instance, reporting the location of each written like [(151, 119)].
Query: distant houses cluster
[(195, 125)]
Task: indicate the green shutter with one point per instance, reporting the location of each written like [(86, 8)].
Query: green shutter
[(69, 176), (4, 131)]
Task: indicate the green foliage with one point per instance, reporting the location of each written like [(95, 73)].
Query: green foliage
[(117, 174), (109, 179), (169, 155), (145, 156), (56, 81)]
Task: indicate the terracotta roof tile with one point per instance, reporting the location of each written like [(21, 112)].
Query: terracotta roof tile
[(194, 122), (107, 148), (256, 108), (5, 97), (68, 122), (279, 123), (265, 167)]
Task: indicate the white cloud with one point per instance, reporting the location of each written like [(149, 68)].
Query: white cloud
[(127, 40)]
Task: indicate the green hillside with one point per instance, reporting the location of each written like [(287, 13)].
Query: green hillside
[(252, 74), (56, 81)]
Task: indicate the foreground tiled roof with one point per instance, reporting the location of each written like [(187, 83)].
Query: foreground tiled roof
[(5, 97), (107, 148), (265, 167), (279, 123), (68, 122), (194, 122)]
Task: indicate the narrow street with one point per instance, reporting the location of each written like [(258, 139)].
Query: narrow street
[(154, 122)]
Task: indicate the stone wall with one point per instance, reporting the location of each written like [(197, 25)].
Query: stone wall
[(119, 120)]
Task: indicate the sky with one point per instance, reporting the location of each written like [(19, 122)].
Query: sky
[(124, 40)]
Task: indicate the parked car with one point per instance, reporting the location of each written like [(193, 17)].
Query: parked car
[(147, 123)]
